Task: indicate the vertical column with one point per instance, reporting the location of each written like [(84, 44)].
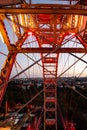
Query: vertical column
[(50, 92)]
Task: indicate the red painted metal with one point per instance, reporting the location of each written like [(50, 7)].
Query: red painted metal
[(6, 71), (69, 125), (30, 127), (50, 64)]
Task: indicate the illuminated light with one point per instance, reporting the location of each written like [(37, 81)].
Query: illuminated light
[(7, 128), (26, 19), (1, 37), (30, 127), (13, 25), (21, 22), (21, 18), (69, 22), (11, 18), (76, 20), (81, 21), (72, 33), (30, 33), (31, 21)]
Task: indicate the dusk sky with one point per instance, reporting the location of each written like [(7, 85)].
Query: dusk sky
[(65, 60)]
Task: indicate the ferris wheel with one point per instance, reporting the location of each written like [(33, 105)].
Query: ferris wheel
[(51, 36)]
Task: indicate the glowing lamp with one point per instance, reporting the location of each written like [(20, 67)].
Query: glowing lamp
[(72, 33), (30, 33), (1, 36)]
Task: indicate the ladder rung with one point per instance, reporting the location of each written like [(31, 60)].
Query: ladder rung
[(49, 90), (50, 121), (49, 60), (50, 99), (50, 109)]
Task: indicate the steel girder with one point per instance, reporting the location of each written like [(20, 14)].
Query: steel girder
[(6, 70), (43, 11), (48, 50)]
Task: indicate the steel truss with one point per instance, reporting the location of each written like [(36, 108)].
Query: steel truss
[(50, 64), (50, 24)]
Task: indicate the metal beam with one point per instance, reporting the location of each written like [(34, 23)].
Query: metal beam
[(43, 11), (48, 50)]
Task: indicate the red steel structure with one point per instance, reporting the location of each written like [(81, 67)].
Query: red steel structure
[(49, 24)]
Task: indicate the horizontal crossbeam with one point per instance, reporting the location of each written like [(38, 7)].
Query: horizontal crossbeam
[(48, 50), (43, 11)]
